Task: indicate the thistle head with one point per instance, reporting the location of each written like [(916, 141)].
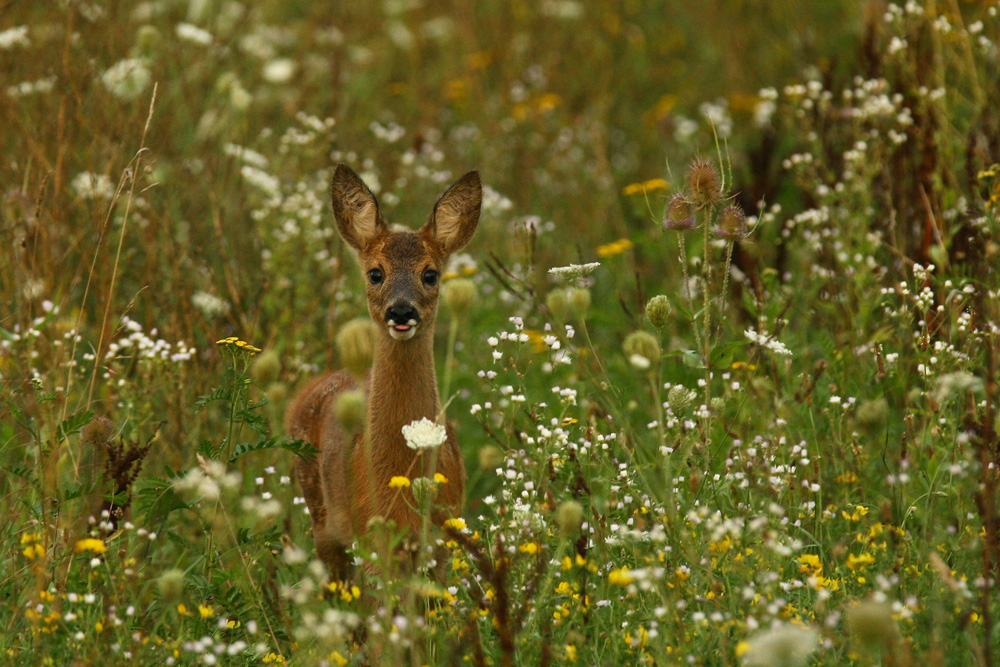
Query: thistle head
[(732, 223)]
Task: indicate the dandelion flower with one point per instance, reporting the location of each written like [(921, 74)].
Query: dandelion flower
[(424, 434)]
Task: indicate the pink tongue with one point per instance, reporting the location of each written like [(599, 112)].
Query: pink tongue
[(402, 327)]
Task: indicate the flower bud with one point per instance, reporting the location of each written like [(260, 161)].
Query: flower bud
[(579, 301), (147, 38), (678, 214), (703, 182), (871, 415), (349, 407), (679, 397), (569, 517), (458, 296), (265, 367), (356, 344), (170, 585), (732, 223), (424, 491), (557, 303), (642, 344), (658, 310)]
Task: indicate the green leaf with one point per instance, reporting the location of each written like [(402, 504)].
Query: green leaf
[(73, 424), (217, 394), (300, 448), (721, 356), (692, 359), (155, 497)]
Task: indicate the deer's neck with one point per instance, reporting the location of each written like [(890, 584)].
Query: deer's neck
[(403, 389)]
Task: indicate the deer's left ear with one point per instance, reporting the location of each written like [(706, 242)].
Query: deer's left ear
[(456, 214)]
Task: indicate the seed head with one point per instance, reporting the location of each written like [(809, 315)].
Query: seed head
[(871, 625), (679, 214), (350, 409), (732, 223), (679, 397), (98, 431), (579, 301), (703, 183), (658, 310), (356, 344), (557, 303), (265, 368), (569, 517), (459, 295), (784, 645), (171, 584), (642, 344)]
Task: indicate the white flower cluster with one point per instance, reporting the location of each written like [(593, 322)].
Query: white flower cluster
[(208, 480), (147, 346), (127, 79), (89, 185), (574, 270), (764, 340), (13, 37), (424, 434)]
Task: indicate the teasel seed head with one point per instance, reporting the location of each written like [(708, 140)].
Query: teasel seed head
[(679, 214), (732, 223), (703, 182)]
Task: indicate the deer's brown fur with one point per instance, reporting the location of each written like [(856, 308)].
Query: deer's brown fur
[(347, 484)]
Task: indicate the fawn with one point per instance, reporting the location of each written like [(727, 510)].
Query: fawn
[(347, 484)]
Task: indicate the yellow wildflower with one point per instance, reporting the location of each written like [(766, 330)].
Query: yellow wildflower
[(855, 563), (809, 563), (620, 577), (614, 248), (646, 186), (399, 482), (440, 479), (205, 611), (569, 652), (529, 548), (90, 544), (455, 524), (182, 609)]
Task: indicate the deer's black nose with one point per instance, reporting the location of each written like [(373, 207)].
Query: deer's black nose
[(402, 313)]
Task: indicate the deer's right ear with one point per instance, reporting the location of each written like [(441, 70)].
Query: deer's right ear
[(355, 208)]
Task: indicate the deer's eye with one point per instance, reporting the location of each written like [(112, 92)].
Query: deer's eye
[(375, 276), (430, 277)]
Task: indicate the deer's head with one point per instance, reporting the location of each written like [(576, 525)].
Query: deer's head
[(402, 268)]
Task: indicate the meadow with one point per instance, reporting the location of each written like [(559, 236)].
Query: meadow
[(721, 358)]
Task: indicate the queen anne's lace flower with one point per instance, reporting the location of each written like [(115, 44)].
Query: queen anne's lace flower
[(424, 434), (574, 270)]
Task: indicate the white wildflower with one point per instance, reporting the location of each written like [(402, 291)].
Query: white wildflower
[(89, 185), (128, 78), (764, 340), (279, 70), (192, 33), (574, 270), (261, 180), (210, 305), (12, 37), (424, 434)]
